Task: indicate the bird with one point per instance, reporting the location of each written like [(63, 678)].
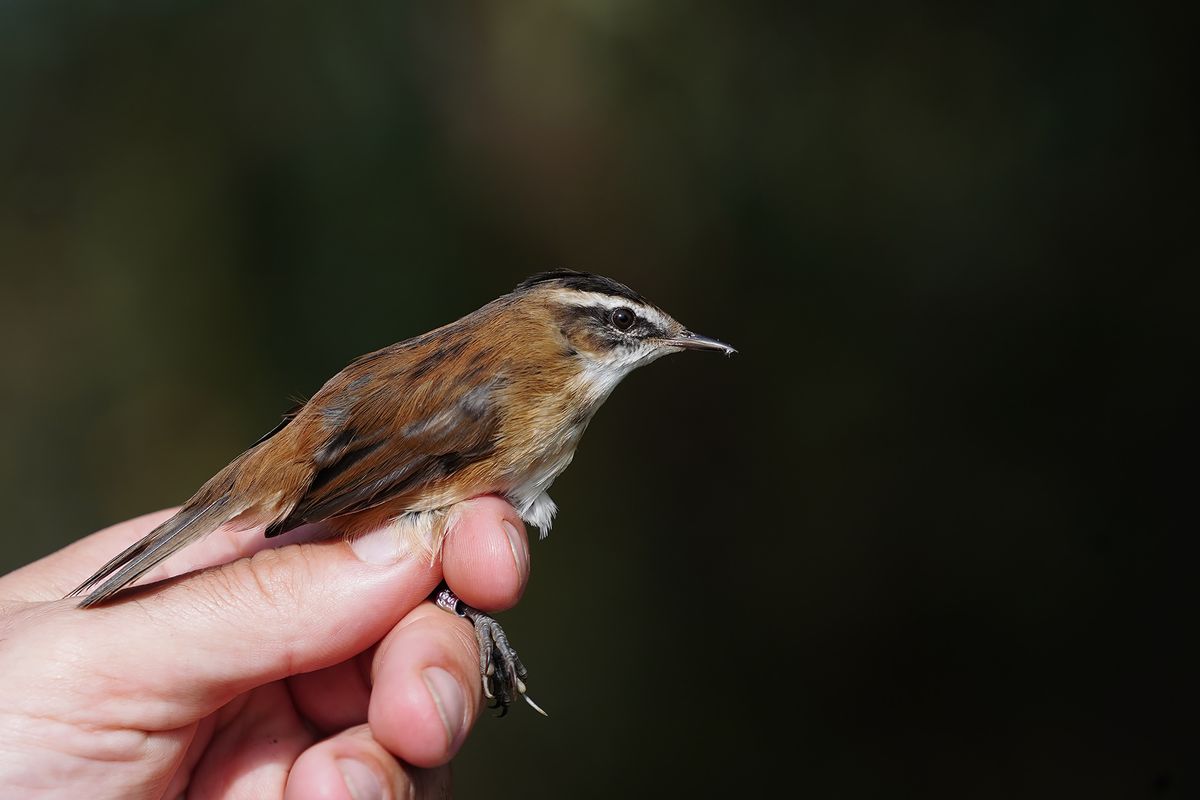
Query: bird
[(493, 403)]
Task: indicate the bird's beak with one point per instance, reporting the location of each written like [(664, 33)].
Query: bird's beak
[(694, 341)]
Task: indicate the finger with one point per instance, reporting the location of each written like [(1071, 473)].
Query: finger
[(487, 565), (426, 693), (353, 766), (337, 697), (255, 743)]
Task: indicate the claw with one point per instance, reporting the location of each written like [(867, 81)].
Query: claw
[(532, 704), (487, 689)]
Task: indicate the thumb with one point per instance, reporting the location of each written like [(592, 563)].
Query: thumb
[(176, 652)]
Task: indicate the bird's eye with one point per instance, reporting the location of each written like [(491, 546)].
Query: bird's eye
[(622, 318)]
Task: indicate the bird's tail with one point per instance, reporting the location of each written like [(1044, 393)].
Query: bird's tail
[(194, 520)]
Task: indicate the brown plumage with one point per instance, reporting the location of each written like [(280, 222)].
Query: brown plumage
[(492, 403)]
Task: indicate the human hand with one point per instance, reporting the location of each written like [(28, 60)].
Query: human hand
[(309, 670)]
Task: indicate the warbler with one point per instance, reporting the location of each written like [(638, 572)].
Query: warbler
[(494, 403)]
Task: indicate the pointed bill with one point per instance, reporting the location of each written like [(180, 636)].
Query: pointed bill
[(694, 341)]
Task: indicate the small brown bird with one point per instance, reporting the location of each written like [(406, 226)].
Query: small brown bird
[(494, 403)]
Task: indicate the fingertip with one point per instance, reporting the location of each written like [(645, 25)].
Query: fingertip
[(339, 769), (486, 558), (354, 766), (426, 693), (360, 778)]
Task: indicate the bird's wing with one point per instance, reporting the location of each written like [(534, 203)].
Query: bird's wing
[(395, 440)]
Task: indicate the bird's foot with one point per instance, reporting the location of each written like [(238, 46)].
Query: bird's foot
[(500, 669)]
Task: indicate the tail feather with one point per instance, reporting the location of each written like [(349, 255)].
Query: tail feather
[(190, 524)]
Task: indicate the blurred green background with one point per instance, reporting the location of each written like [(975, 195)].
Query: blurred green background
[(923, 537)]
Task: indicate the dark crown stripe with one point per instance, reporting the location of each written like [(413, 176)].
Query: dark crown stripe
[(584, 282)]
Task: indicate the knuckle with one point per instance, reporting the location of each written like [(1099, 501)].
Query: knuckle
[(268, 581)]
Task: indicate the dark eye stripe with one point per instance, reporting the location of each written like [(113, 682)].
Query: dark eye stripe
[(599, 319)]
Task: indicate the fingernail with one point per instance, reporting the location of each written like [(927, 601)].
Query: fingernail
[(520, 548), (361, 781), (380, 546), (449, 699)]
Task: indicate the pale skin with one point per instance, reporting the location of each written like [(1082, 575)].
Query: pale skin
[(304, 671)]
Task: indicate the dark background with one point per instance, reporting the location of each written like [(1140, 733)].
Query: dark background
[(924, 537)]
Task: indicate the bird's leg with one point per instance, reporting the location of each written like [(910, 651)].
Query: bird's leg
[(500, 669)]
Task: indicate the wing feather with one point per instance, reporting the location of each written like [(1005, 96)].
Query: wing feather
[(371, 458)]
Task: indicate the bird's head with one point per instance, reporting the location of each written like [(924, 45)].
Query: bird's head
[(609, 328)]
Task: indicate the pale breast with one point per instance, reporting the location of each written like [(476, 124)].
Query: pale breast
[(561, 426), (528, 492)]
